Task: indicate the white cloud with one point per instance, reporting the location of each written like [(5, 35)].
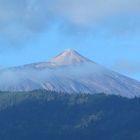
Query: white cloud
[(24, 17), (36, 13), (89, 11)]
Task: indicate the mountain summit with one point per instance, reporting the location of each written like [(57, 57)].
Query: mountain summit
[(69, 57), (68, 72)]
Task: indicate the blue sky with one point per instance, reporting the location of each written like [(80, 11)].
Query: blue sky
[(106, 31)]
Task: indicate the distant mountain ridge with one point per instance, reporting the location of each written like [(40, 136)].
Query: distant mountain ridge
[(68, 72)]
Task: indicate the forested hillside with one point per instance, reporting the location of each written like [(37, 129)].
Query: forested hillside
[(42, 115)]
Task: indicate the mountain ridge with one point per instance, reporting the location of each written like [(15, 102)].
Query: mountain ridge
[(65, 58), (68, 72)]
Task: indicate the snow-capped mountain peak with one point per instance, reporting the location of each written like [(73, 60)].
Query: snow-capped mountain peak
[(69, 57), (68, 72), (66, 58)]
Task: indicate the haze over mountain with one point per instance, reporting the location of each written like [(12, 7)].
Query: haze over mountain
[(68, 72)]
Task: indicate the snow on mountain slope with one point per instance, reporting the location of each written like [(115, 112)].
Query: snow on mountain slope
[(68, 72)]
